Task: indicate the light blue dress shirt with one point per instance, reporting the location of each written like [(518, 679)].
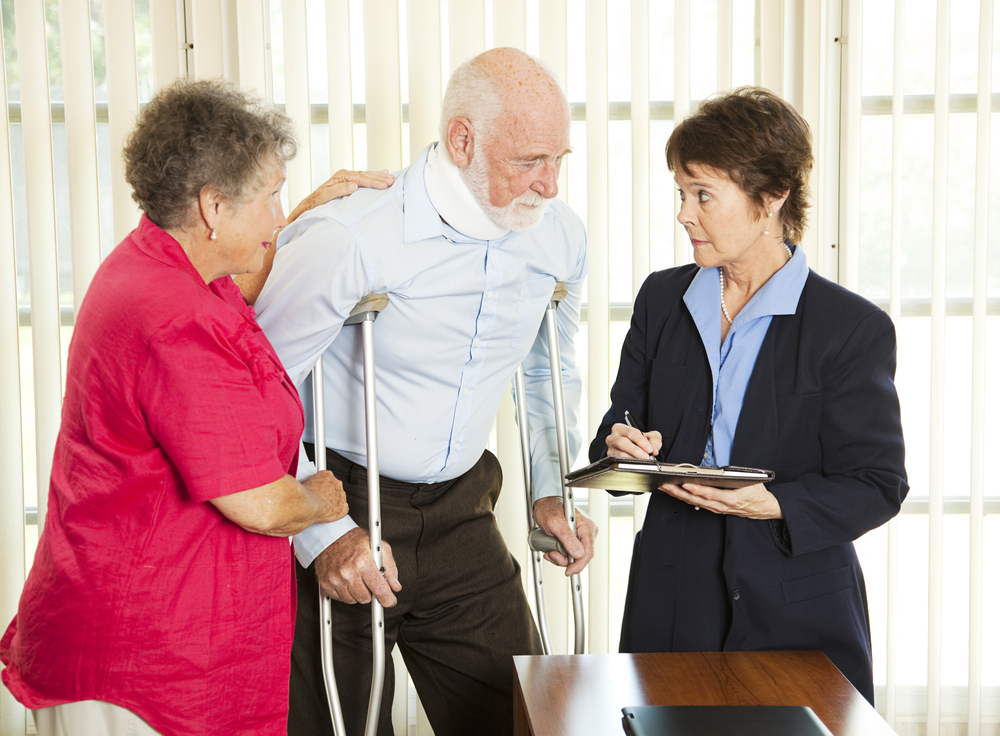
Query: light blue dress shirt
[(733, 361), (462, 314)]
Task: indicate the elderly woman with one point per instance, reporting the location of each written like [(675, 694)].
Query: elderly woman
[(161, 598), (749, 358)]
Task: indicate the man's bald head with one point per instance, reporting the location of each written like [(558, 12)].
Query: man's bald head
[(505, 124), (498, 81)]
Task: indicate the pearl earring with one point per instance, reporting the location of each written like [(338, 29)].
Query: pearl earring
[(212, 236), (768, 230)]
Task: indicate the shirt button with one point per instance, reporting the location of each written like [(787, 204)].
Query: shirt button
[(736, 595), (477, 343), (465, 392), (490, 295), (705, 456)]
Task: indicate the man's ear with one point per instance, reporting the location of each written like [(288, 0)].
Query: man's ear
[(460, 141)]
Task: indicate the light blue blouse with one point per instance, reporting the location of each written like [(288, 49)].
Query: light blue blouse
[(733, 361)]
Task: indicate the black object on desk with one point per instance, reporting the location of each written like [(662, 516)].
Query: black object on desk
[(722, 720)]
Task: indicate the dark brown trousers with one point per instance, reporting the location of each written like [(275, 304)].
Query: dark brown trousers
[(460, 618)]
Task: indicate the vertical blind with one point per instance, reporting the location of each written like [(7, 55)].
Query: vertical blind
[(12, 497), (363, 81), (916, 208)]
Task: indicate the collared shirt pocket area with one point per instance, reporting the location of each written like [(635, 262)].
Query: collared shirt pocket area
[(535, 296), (816, 586)]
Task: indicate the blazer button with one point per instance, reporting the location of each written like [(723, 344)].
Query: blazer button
[(736, 595)]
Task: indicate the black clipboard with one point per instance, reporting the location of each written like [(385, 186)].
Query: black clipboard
[(644, 475), (722, 720)]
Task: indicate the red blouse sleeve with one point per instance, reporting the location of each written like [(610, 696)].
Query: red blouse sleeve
[(216, 402)]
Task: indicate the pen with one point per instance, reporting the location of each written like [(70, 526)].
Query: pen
[(630, 421)]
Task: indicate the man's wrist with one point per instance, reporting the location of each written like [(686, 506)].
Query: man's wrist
[(311, 542)]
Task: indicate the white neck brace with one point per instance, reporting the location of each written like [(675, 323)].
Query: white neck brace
[(453, 200)]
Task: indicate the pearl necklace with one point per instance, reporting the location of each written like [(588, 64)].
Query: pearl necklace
[(722, 288)]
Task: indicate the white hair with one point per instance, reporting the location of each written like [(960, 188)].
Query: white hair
[(473, 92)]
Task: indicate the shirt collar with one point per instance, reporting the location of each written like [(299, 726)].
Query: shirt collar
[(159, 245), (779, 295)]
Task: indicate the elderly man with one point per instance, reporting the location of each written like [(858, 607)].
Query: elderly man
[(468, 244)]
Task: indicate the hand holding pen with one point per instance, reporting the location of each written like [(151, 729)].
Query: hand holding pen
[(628, 440)]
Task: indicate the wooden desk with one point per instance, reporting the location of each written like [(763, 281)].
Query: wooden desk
[(582, 695)]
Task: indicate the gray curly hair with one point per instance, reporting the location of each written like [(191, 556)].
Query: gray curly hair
[(204, 133)]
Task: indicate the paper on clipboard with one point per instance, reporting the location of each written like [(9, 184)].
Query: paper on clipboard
[(642, 475)]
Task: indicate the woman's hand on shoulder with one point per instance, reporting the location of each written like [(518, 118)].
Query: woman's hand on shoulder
[(751, 502), (340, 185), (626, 441)]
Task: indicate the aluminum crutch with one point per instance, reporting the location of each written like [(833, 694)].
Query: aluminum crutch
[(364, 313), (535, 554), (538, 541)]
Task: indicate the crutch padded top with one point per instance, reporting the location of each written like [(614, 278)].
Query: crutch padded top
[(559, 293), (371, 303)]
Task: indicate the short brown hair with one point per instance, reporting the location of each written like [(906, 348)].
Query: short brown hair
[(197, 134), (759, 141)]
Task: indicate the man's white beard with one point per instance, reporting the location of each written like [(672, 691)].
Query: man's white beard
[(513, 216)]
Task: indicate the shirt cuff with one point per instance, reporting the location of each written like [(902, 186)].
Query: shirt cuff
[(310, 542), (545, 480), (306, 467)]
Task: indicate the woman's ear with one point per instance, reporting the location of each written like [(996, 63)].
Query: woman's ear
[(774, 204), (210, 202)]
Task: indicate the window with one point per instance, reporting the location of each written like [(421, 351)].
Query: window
[(900, 214)]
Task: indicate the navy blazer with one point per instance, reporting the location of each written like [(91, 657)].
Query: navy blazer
[(821, 411)]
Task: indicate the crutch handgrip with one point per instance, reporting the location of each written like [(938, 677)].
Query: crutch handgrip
[(539, 541), (560, 292)]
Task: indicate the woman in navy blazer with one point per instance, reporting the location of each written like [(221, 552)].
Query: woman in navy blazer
[(748, 358)]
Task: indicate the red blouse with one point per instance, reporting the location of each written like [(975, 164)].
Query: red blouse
[(142, 594)]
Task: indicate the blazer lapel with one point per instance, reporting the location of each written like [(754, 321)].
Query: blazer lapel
[(757, 429)]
